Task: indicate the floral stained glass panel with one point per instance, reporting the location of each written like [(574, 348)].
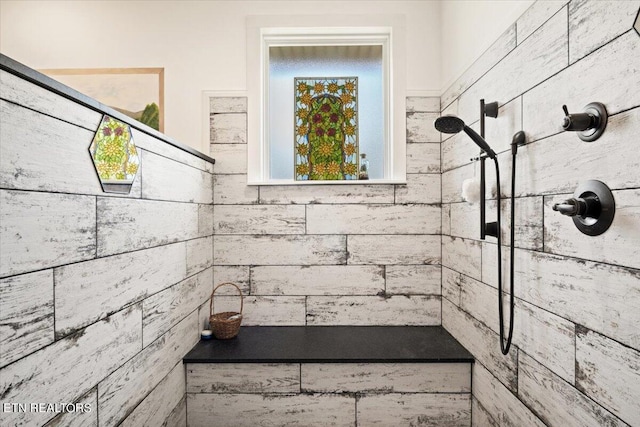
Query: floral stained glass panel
[(326, 128), (114, 155)]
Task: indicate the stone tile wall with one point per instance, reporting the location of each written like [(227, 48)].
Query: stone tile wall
[(337, 394), (99, 293), (576, 343), (328, 254)]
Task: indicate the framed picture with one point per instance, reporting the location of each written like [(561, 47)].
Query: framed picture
[(135, 92)]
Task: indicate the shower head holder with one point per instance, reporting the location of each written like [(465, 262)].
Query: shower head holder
[(489, 109), (592, 207)]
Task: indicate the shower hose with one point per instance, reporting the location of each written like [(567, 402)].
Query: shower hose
[(504, 346)]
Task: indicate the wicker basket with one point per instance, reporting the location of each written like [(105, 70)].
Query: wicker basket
[(225, 325)]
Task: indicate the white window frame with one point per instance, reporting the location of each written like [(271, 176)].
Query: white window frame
[(264, 32)]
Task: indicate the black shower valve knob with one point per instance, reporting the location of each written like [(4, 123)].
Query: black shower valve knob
[(579, 121), (571, 207), (592, 207), (588, 125)]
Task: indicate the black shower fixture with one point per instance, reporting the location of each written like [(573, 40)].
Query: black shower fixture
[(589, 124), (489, 109), (592, 207), (492, 228), (453, 124)]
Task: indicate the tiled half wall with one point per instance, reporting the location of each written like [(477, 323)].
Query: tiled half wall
[(309, 394), (99, 293)]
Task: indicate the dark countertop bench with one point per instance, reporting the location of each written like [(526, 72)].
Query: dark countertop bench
[(333, 344)]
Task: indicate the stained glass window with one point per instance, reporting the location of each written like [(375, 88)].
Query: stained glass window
[(324, 63), (114, 155), (326, 128)]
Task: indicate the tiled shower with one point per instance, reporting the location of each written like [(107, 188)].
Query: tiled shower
[(101, 295), (576, 316)]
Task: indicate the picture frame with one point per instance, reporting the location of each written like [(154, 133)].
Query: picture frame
[(131, 91)]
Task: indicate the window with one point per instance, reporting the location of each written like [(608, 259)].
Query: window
[(367, 55)]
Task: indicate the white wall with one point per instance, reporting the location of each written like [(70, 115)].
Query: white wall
[(469, 27), (201, 44)]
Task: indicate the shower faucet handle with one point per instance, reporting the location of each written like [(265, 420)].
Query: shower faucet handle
[(590, 124), (579, 121), (587, 205), (571, 207), (592, 207), (565, 209)]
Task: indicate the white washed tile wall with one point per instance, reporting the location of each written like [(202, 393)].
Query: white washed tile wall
[(576, 345), (336, 394), (329, 254), (99, 293)]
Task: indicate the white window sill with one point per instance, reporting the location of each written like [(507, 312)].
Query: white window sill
[(344, 182)]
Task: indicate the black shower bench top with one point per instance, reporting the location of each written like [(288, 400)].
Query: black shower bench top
[(333, 344)]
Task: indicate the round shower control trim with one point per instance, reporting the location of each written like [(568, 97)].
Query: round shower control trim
[(590, 124), (592, 207)]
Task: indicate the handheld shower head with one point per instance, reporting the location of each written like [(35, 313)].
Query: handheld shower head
[(480, 142), (453, 124), (449, 124)]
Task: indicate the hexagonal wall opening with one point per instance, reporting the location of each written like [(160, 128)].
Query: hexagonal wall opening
[(114, 156)]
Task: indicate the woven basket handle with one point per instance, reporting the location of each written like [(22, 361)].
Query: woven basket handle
[(223, 284)]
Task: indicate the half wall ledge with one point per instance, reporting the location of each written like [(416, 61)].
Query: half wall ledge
[(14, 67)]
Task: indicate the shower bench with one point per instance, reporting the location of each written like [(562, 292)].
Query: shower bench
[(330, 375)]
